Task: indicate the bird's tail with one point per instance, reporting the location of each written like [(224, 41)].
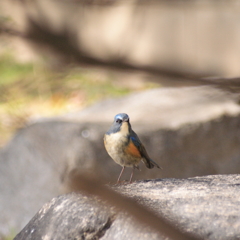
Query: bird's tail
[(150, 163)]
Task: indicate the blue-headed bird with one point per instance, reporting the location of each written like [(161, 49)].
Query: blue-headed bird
[(124, 146)]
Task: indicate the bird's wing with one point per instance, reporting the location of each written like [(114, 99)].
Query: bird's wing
[(136, 141), (133, 148), (142, 151)]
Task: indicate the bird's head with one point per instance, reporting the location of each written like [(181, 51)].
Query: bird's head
[(120, 124), (120, 118)]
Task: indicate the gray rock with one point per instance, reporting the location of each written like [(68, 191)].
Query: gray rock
[(206, 206), (165, 108), (89, 221), (188, 131), (35, 164)]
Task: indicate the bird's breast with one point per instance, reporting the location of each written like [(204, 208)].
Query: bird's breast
[(121, 150), (115, 141), (115, 144)]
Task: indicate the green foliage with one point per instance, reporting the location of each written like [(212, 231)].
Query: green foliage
[(11, 71), (10, 236), (32, 90)]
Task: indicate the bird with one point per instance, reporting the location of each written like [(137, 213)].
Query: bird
[(124, 146)]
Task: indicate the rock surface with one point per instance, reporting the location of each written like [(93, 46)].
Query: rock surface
[(206, 206), (188, 131)]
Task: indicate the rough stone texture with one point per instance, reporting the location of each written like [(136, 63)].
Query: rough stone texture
[(78, 216), (188, 131), (206, 206)]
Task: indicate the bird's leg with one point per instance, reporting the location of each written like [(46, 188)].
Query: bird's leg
[(120, 174), (131, 175)]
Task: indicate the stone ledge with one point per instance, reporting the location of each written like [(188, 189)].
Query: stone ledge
[(206, 206)]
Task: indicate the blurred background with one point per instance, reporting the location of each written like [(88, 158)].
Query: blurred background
[(68, 67)]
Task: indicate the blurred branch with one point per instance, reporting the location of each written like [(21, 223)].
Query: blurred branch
[(62, 37), (93, 186), (64, 42), (62, 45), (11, 31)]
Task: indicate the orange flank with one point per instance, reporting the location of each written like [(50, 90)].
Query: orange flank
[(132, 150)]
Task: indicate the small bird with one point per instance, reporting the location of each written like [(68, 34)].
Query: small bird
[(124, 146)]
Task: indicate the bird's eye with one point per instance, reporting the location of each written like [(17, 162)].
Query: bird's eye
[(118, 120)]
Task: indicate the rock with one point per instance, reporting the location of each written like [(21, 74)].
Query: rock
[(35, 163), (206, 206), (165, 108), (90, 221), (188, 131)]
